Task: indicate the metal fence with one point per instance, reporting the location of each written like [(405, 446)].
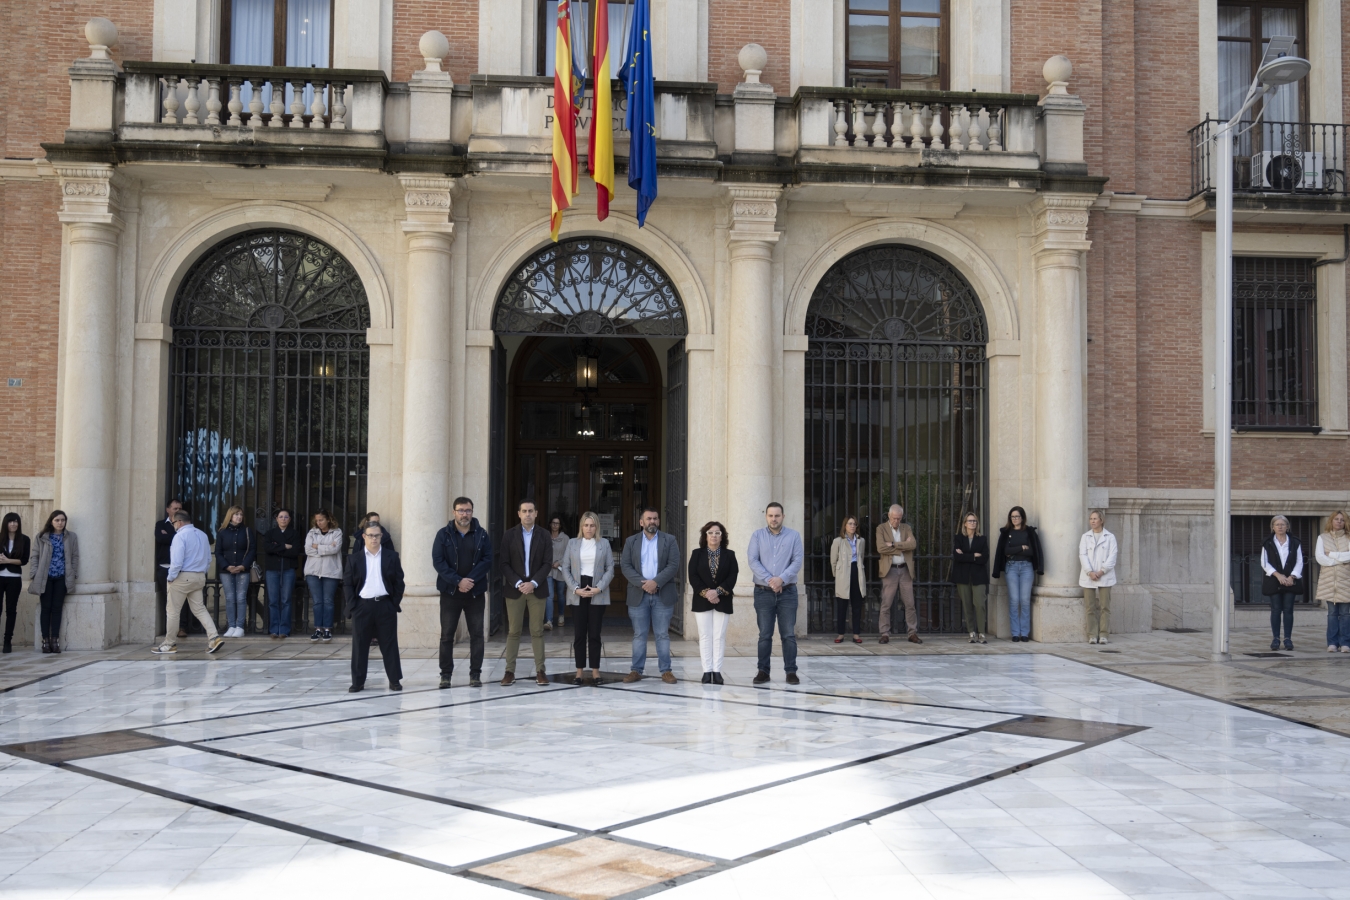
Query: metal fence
[(1274, 158)]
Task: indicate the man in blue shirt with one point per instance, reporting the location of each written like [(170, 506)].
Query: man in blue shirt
[(651, 563), (775, 554), (189, 558)]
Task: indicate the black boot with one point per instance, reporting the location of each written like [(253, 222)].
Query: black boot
[(707, 678), (8, 647), (46, 646), (717, 677)]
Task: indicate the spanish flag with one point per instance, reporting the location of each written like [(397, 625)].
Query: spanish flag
[(601, 152), (564, 122)]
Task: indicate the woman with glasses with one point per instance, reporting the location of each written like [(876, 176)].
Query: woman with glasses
[(970, 574), (1019, 556)]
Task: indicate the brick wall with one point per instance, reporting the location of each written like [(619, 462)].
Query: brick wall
[(456, 19), (1042, 28), (1168, 105), (734, 23)]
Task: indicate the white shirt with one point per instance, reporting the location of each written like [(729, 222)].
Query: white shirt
[(527, 537), (374, 586), (899, 558), (1283, 550), (650, 560), (588, 557)]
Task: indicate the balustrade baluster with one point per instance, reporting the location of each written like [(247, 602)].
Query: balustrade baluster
[(297, 90), (840, 124), (995, 129), (973, 133), (936, 128), (339, 105), (316, 109), (916, 129), (879, 127), (958, 127), (255, 104), (213, 101), (192, 103), (236, 105), (170, 100), (859, 124), (900, 110), (278, 105)]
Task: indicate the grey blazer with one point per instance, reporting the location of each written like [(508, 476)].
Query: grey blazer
[(667, 568), (42, 561), (604, 571)]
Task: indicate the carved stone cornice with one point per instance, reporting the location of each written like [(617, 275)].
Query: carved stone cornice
[(427, 203), (89, 194), (754, 213), (1059, 222)]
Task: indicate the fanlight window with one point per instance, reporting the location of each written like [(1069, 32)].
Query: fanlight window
[(590, 287)]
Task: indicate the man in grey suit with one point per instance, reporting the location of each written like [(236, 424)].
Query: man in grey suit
[(651, 562)]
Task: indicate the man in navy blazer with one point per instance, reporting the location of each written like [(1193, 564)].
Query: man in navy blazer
[(651, 563), (374, 586)]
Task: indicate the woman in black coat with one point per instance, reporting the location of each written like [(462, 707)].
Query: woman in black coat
[(712, 575), (14, 551), (283, 545), (1282, 583), (970, 574), (1019, 556)]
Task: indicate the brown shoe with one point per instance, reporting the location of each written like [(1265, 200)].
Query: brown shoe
[(793, 679), (182, 632), (508, 679), (632, 677), (668, 677), (540, 677), (914, 638), (885, 639)]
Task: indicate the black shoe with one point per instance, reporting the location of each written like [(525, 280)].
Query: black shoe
[(445, 682), (1288, 645), (793, 679), (1275, 644), (717, 677), (327, 635), (356, 689), (761, 676), (316, 636), (475, 681), (707, 678), (395, 686), (7, 647)]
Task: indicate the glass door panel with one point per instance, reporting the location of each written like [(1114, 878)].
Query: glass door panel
[(607, 498), (563, 496)]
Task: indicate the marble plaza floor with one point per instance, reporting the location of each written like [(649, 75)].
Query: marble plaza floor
[(937, 771)]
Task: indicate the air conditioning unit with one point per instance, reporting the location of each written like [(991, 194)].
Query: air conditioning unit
[(1287, 170)]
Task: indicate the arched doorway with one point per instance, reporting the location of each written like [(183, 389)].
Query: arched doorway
[(585, 414), (269, 386), (895, 413)]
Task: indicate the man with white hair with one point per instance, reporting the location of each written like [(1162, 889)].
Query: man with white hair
[(896, 546)]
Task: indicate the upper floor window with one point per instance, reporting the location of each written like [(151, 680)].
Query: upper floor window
[(897, 44), (583, 36), (1274, 343), (1245, 28), (277, 33)]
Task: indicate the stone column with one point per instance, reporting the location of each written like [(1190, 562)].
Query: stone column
[(751, 348), (426, 399), (1060, 421), (88, 395)]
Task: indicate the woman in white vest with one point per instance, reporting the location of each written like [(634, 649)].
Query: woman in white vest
[(1333, 584), (1097, 555)]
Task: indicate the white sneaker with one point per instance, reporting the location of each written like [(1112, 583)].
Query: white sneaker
[(1092, 640), (1331, 648), (1101, 640), (1345, 649), (164, 649)]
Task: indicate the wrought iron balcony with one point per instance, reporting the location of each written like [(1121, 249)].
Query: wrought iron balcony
[(1297, 158)]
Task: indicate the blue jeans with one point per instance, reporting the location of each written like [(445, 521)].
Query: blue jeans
[(279, 588), (651, 614), (1020, 577), (557, 594), (234, 585), (781, 608), (1338, 624), (321, 593)]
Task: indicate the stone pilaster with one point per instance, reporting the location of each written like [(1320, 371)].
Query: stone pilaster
[(1060, 424), (426, 397)]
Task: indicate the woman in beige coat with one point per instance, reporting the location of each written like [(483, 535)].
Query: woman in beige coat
[(1333, 583), (846, 559)]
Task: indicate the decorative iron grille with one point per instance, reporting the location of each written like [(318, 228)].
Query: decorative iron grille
[(1274, 344), (593, 287), (895, 413), (270, 387)]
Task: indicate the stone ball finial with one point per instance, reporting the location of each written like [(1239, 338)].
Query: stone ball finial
[(434, 47), (752, 59), (101, 35), (1057, 70)]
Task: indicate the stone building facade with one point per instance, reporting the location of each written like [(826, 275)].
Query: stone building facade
[(945, 266)]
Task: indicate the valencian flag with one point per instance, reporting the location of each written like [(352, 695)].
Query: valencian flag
[(600, 157), (640, 119), (564, 121)]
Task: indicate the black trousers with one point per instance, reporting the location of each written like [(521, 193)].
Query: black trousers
[(375, 618), (854, 602), (587, 619), (1282, 607), (53, 600), (471, 605), (10, 588)]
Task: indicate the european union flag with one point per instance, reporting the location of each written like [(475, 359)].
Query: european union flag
[(640, 119)]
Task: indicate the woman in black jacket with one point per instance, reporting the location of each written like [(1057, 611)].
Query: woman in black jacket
[(1019, 554), (970, 574), (14, 550), (712, 575), (1282, 563), (283, 546), (236, 549)]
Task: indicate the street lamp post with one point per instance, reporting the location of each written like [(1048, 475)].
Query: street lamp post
[(1278, 67)]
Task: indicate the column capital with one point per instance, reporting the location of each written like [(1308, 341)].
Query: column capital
[(427, 202), (754, 212), (1059, 223), (89, 195)]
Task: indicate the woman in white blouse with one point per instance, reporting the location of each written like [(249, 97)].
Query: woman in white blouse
[(588, 568), (1282, 563)]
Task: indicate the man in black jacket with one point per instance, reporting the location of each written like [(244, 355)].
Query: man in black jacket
[(164, 532), (462, 556), (374, 586), (527, 558)]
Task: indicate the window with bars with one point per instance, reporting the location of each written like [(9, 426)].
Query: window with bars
[(1249, 533), (1274, 344), (897, 44)]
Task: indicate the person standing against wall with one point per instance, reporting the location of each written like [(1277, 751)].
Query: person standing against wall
[(1333, 583), (650, 560), (847, 554), (527, 558), (1019, 554), (1282, 563), (189, 558), (775, 559), (55, 567), (1097, 553), (461, 554), (895, 540), (164, 533), (970, 574), (323, 572), (15, 549), (236, 549), (283, 545)]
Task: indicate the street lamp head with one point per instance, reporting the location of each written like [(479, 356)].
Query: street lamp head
[(1280, 66)]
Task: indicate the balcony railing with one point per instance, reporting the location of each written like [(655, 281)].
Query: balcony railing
[(1274, 158)]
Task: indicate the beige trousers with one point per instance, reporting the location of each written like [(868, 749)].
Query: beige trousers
[(187, 586), (898, 578), (1098, 603)]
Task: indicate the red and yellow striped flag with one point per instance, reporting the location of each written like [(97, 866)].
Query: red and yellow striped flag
[(564, 122), (601, 152)]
